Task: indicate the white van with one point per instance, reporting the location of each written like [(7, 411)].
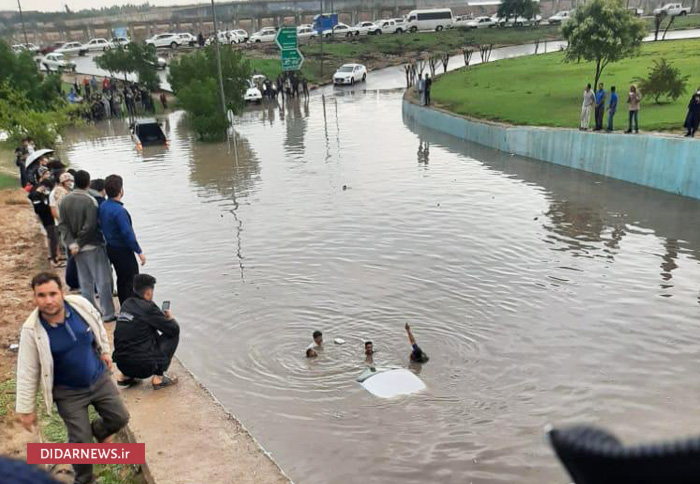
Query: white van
[(434, 19)]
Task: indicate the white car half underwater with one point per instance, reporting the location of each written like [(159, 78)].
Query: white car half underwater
[(350, 74), (252, 94)]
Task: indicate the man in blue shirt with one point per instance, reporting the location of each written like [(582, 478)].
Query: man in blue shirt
[(612, 107), (599, 107), (64, 350), (116, 226)]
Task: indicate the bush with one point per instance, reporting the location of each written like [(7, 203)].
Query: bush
[(663, 80)]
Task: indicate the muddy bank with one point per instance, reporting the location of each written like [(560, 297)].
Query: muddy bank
[(22, 252)]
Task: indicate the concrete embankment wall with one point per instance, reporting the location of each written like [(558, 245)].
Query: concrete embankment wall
[(668, 163)]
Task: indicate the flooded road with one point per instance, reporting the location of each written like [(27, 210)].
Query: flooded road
[(542, 294)]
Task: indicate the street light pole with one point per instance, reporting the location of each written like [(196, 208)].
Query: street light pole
[(21, 19), (218, 60)]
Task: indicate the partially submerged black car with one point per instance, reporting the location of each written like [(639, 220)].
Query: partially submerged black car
[(147, 132)]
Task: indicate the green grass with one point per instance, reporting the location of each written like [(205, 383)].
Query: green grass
[(445, 41), (54, 431), (686, 22), (543, 90), (7, 396)]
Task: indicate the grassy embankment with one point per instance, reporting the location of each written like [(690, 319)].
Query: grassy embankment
[(9, 174), (388, 49), (543, 90)]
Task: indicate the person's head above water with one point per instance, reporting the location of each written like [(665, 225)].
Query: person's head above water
[(369, 348), (418, 355), (318, 337), (310, 353)]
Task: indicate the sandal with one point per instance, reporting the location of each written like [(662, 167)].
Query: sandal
[(166, 382), (127, 382)]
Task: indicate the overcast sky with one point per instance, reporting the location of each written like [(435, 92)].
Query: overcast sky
[(53, 5)]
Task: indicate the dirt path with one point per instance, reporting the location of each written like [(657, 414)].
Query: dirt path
[(22, 253)]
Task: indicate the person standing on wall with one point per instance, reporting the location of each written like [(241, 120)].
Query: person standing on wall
[(119, 235), (588, 102), (82, 235), (599, 107), (64, 350), (612, 107), (634, 99), (692, 120)]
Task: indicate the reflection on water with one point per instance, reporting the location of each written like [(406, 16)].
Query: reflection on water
[(542, 294)]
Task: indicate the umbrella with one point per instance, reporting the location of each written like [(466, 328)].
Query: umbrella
[(35, 156)]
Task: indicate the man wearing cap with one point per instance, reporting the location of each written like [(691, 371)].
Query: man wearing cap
[(62, 188)]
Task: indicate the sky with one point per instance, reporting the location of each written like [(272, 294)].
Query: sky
[(55, 5)]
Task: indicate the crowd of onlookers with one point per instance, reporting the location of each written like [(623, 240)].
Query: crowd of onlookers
[(287, 84), (111, 98), (599, 101), (64, 349)]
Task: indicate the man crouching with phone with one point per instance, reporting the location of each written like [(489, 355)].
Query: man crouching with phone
[(146, 337)]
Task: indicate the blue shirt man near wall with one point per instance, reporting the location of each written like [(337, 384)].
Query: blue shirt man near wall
[(599, 107), (612, 108), (119, 235)]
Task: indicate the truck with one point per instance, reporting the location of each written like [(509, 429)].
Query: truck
[(325, 21)]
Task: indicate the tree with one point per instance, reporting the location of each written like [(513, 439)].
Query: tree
[(19, 73), (140, 59), (518, 8), (194, 80), (663, 80), (602, 31)]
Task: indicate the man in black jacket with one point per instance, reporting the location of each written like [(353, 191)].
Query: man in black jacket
[(145, 338)]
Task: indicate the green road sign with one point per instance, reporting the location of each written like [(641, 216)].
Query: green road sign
[(287, 38), (292, 60)]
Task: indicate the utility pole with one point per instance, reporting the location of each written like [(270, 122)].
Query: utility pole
[(218, 60), (321, 33), (21, 19)]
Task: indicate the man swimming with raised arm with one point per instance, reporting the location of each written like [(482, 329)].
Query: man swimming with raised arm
[(417, 354)]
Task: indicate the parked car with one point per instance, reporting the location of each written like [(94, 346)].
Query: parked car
[(306, 33), (672, 9), (72, 48), (350, 74), (235, 38), (188, 39), (29, 46), (252, 94), (461, 21), (636, 11), (481, 23), (267, 34), (98, 44), (50, 48), (165, 40), (120, 41), (560, 17), (524, 22), (434, 19), (242, 34), (368, 28), (401, 22), (57, 62), (341, 30), (389, 27)]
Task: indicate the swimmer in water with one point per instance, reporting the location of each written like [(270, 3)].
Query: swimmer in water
[(369, 353), (417, 354), (312, 350)]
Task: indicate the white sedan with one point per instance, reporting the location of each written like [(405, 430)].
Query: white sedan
[(188, 39), (57, 62), (267, 34), (350, 74), (72, 48), (98, 44), (242, 34), (341, 30), (306, 33), (165, 40), (252, 94), (368, 28), (480, 23)]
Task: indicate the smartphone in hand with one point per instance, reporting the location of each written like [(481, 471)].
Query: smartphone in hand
[(166, 306)]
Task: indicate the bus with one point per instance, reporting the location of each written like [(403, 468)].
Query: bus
[(434, 19), (325, 21)]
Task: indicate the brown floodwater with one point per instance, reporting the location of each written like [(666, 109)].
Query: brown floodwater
[(542, 294)]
